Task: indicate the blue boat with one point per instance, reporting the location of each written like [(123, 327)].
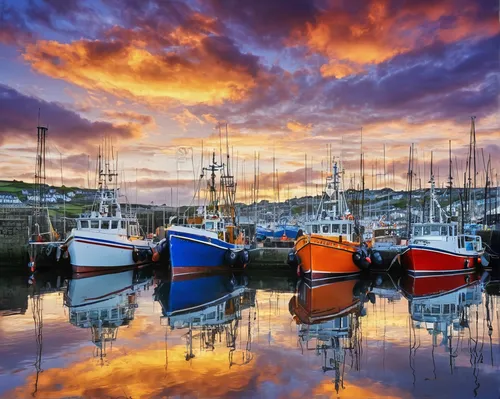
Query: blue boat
[(215, 245), (277, 231)]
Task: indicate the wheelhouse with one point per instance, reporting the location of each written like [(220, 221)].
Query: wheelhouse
[(434, 229), (332, 228)]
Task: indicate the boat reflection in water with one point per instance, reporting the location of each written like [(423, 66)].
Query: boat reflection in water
[(442, 305), (105, 302), (209, 308), (327, 316)]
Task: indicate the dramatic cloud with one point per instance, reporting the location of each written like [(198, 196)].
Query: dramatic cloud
[(289, 78), (212, 71), (18, 118), (374, 31)]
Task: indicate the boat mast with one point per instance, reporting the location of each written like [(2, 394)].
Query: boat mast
[(362, 177), (433, 186), (450, 179), (410, 186)]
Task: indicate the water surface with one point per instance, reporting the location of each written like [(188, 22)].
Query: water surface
[(134, 335)]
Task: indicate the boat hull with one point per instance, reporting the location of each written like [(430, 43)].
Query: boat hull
[(426, 261), (318, 304), (193, 252), (322, 258), (103, 252), (416, 287)]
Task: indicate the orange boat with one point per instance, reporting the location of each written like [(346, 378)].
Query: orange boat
[(331, 246)]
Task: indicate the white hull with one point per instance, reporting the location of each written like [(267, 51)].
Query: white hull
[(99, 291), (93, 251)]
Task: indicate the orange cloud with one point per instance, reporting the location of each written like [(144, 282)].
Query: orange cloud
[(211, 71), (296, 127), (353, 41), (131, 116)]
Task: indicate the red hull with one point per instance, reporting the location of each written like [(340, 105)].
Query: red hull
[(430, 261), (434, 285)]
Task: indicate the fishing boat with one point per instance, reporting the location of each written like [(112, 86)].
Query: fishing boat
[(327, 316), (437, 248), (107, 238), (105, 302), (218, 244), (331, 246)]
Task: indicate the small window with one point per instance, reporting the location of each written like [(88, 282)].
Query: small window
[(335, 228), (325, 228), (315, 228), (344, 229), (84, 224), (427, 230), (115, 224), (104, 224), (444, 230), (210, 225), (94, 224)]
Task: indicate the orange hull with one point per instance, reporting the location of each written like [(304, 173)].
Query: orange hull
[(323, 257), (329, 301)]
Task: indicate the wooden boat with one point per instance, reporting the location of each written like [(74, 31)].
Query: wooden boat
[(330, 247)]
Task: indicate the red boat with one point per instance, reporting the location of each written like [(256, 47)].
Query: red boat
[(436, 249)]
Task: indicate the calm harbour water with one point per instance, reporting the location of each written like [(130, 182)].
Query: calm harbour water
[(134, 335)]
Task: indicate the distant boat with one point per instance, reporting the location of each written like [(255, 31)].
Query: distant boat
[(107, 238), (216, 245), (331, 246), (276, 230)]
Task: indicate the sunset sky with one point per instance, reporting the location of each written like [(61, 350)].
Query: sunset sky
[(288, 76)]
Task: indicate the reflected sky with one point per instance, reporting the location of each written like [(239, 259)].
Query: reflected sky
[(246, 342)]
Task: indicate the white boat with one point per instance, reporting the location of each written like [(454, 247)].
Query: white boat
[(107, 238)]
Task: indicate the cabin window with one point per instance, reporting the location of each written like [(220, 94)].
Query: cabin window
[(209, 225), (84, 224), (94, 315), (94, 224), (315, 228), (344, 229), (325, 228), (446, 308), (82, 316), (114, 313), (104, 224), (335, 228), (104, 313), (417, 230), (444, 231), (115, 224), (220, 226)]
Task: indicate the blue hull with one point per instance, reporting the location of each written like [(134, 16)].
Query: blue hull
[(181, 296), (192, 253), (290, 232)]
